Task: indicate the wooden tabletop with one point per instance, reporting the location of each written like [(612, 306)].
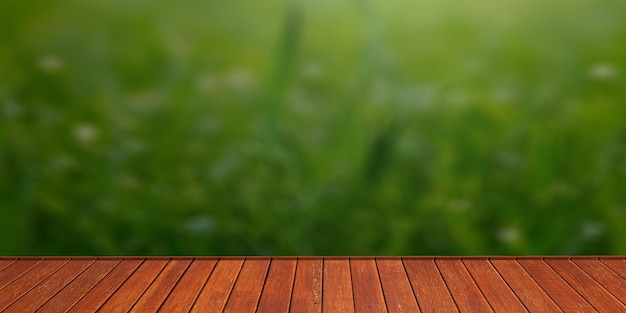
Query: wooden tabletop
[(313, 284)]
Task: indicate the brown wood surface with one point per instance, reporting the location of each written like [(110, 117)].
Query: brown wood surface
[(501, 297), (429, 287), (396, 286), (559, 290), (67, 297), (15, 270), (337, 286), (152, 299), (313, 284), (307, 287), (184, 295), (126, 296), (524, 286), (276, 296), (366, 286), (586, 286), (466, 294), (246, 292), (607, 278), (219, 286), (49, 287), (30, 279), (106, 287)]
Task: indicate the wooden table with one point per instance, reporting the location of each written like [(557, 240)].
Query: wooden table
[(313, 284)]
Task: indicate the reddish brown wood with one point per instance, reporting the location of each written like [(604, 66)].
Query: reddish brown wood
[(396, 287), (15, 270), (466, 294), (307, 289), (562, 293), (310, 284), (67, 297), (276, 296), (126, 296), (106, 287), (49, 286), (618, 266), (525, 288), (366, 286), (601, 299), (337, 286), (612, 282), (219, 286), (24, 283), (430, 290), (500, 296), (182, 298), (6, 262), (246, 292), (152, 299)]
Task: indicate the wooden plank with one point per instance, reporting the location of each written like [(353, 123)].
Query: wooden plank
[(430, 290), (247, 290), (6, 262), (15, 270), (126, 296), (67, 297), (595, 294), (337, 286), (396, 286), (307, 289), (29, 280), (612, 282), (107, 286), (465, 293), (496, 291), (524, 286), (366, 286), (276, 295), (618, 266), (219, 286), (154, 296), (182, 298), (37, 296), (562, 293)]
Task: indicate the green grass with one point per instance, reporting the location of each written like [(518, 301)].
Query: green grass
[(312, 127)]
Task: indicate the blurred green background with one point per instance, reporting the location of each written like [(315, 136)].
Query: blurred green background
[(343, 127)]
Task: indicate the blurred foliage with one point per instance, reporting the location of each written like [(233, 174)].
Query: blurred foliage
[(362, 127)]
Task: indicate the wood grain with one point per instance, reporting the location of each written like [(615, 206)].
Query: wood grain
[(524, 286), (184, 295), (501, 298), (396, 286), (15, 270), (219, 286), (610, 280), (465, 293), (430, 290), (246, 292), (37, 296), (337, 286), (307, 289), (92, 301), (276, 296), (126, 296), (24, 283), (560, 291), (67, 297), (154, 296), (586, 286)]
